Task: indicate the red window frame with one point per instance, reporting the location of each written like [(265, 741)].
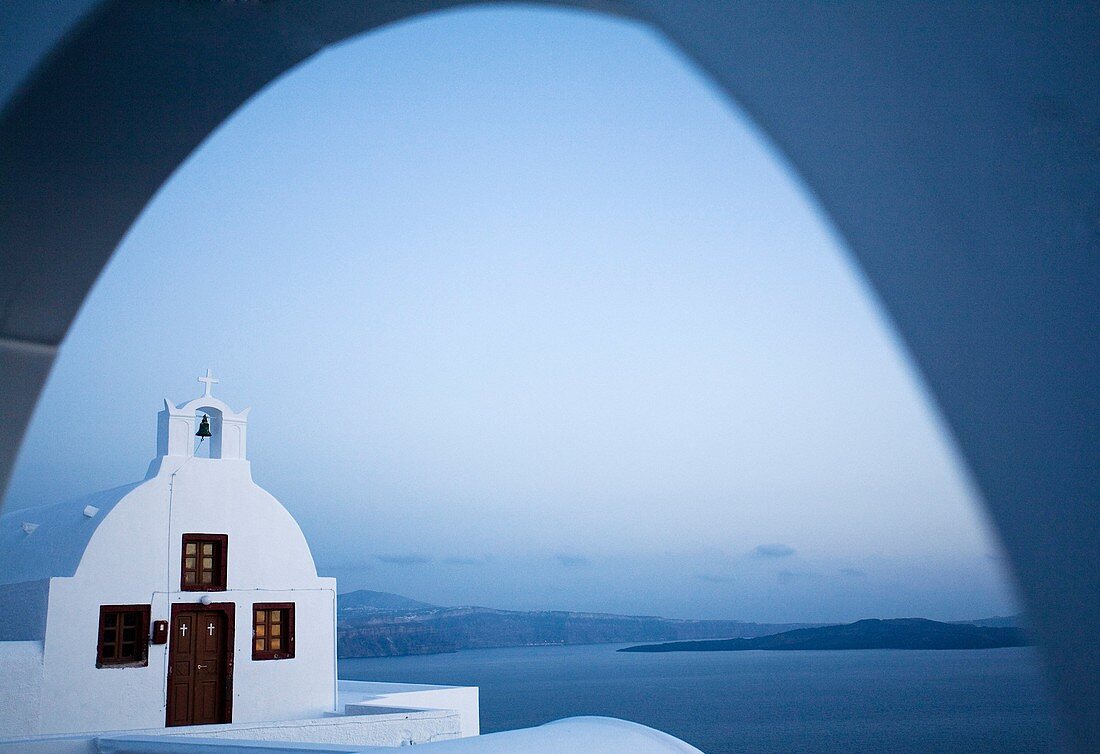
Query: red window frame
[(114, 623), (220, 556), (264, 629)]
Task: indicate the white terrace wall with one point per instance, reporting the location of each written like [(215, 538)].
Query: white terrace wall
[(359, 696)]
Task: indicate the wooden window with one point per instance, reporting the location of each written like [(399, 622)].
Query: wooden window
[(272, 631), (203, 568), (123, 636)]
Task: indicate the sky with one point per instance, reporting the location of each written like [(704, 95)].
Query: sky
[(530, 316)]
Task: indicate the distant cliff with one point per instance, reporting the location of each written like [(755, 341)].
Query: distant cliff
[(900, 633), (379, 624)]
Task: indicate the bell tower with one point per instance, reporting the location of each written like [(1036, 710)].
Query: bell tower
[(176, 426)]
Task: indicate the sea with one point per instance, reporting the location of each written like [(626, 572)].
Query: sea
[(986, 700)]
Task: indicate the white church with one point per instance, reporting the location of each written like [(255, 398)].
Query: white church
[(188, 605)]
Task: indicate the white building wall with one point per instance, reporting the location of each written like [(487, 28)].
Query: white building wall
[(20, 685), (134, 558)]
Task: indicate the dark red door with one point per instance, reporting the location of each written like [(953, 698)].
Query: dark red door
[(198, 666)]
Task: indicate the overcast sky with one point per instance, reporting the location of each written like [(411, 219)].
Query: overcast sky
[(530, 317)]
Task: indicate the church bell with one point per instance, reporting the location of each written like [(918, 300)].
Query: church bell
[(204, 428)]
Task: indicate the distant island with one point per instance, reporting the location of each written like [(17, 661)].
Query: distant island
[(898, 633), (381, 624)]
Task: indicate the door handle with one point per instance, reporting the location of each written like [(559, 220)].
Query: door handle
[(200, 667)]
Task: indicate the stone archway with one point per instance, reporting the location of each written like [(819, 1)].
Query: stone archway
[(954, 149)]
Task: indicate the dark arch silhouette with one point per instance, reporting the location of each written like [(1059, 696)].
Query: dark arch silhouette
[(956, 149)]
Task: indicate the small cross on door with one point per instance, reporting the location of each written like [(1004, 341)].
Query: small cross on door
[(210, 629)]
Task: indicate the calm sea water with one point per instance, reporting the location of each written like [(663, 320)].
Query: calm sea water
[(875, 700)]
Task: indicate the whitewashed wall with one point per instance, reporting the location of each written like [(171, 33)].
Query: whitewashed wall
[(134, 556), (20, 685)]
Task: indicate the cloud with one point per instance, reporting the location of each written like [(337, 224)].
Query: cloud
[(772, 551), (571, 561), (853, 573), (404, 560)]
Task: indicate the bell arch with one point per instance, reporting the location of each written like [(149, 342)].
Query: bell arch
[(177, 428), (955, 152)]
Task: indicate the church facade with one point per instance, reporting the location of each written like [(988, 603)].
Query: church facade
[(188, 598)]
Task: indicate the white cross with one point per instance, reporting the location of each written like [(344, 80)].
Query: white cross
[(208, 380), (183, 630), (210, 629)]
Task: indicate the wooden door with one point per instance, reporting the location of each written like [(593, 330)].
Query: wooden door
[(199, 665)]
